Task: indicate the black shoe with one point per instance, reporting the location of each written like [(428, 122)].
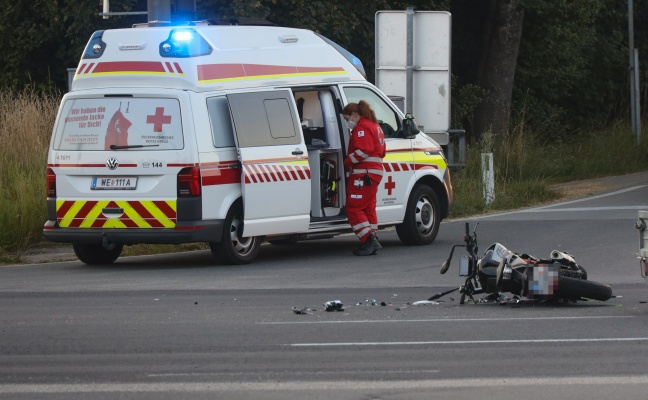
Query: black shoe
[(366, 249), (374, 240)]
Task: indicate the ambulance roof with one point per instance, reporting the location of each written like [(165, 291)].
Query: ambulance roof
[(207, 57)]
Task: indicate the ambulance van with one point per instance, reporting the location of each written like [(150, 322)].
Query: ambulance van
[(229, 135)]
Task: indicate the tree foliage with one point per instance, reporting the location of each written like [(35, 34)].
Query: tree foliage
[(42, 38), (572, 65)]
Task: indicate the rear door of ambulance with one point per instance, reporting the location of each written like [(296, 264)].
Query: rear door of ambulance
[(117, 160)]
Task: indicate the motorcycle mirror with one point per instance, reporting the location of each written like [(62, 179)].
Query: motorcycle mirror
[(445, 266)]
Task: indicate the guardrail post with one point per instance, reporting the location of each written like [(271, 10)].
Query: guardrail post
[(488, 177)]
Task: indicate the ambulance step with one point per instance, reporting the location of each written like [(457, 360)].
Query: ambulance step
[(314, 236)]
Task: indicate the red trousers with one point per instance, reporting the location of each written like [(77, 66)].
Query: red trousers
[(361, 205)]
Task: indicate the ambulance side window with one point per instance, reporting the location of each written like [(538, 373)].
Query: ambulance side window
[(280, 126), (264, 119), (221, 123), (386, 116)]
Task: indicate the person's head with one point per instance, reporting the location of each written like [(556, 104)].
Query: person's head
[(353, 111)]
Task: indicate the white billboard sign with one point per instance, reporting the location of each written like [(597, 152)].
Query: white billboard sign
[(431, 65)]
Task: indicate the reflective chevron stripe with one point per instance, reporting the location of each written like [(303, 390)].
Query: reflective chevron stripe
[(125, 213)]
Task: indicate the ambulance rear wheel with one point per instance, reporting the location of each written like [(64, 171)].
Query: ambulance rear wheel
[(421, 223), (96, 254), (234, 248)]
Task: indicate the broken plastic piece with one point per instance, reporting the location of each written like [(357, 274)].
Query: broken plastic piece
[(425, 303), (302, 311)]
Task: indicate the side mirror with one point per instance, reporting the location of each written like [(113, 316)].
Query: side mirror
[(445, 266), (410, 129)]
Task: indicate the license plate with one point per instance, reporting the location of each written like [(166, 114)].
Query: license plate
[(114, 183)]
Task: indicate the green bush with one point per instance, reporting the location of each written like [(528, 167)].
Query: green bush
[(526, 163)]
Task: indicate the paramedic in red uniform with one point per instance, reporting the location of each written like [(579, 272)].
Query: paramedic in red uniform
[(365, 171)]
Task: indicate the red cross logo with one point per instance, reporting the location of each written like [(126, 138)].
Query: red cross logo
[(158, 119), (390, 185)]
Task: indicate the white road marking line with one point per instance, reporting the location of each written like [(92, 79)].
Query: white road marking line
[(444, 342), (539, 210), (599, 196), (548, 207), (371, 321), (328, 386)]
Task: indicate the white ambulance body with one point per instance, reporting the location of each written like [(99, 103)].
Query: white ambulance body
[(228, 135)]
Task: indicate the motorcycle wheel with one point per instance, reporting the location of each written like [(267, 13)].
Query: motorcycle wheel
[(573, 288)]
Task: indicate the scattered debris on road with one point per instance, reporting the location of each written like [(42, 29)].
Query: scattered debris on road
[(301, 311), (334, 305)]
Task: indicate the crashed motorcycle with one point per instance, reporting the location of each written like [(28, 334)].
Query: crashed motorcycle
[(499, 271)]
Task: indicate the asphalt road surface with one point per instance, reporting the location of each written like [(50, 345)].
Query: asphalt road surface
[(177, 326)]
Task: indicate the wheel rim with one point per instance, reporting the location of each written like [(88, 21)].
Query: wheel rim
[(241, 245), (424, 216)]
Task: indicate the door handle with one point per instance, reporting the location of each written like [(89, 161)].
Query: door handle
[(297, 152)]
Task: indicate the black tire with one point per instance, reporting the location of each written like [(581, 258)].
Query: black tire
[(422, 217), (573, 288), (96, 254), (234, 249)]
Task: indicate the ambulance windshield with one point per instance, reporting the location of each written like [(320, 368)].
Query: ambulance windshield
[(124, 123)]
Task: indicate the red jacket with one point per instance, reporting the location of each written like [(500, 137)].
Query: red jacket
[(366, 148)]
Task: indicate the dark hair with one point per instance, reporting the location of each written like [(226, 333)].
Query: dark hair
[(362, 108)]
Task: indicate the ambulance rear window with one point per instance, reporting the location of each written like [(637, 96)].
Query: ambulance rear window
[(120, 123)]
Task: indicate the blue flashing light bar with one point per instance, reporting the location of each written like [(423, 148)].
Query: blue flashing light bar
[(95, 47), (183, 43), (350, 57)]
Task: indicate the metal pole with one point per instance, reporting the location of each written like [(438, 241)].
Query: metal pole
[(409, 88), (633, 108), (159, 10), (637, 97)]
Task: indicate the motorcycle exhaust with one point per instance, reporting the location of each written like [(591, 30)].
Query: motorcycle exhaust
[(560, 256)]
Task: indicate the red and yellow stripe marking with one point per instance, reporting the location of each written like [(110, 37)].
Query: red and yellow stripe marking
[(129, 68), (264, 173), (419, 160), (137, 214), (211, 73), (220, 173)]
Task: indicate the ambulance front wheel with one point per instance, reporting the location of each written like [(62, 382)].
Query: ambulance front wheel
[(421, 223), (233, 247), (96, 254)]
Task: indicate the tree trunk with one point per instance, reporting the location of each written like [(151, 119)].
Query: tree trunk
[(496, 69)]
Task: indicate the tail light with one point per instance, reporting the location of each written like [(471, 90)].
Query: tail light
[(51, 183), (189, 182)]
